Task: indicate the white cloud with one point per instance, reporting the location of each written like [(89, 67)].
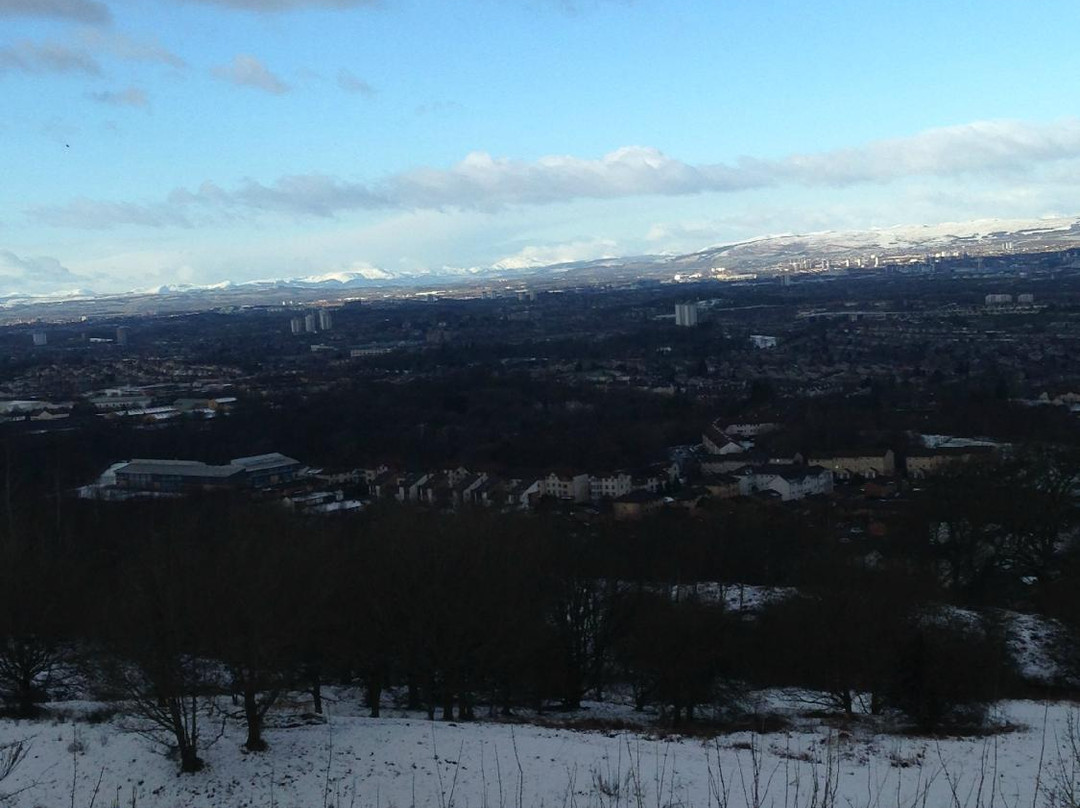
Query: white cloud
[(47, 57), (34, 274), (983, 146), (303, 194), (564, 253), (487, 182), (40, 268), (482, 182), (247, 71), (80, 10)]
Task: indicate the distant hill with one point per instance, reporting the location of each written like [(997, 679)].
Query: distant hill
[(759, 256)]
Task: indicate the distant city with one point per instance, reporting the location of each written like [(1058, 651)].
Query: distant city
[(668, 501)]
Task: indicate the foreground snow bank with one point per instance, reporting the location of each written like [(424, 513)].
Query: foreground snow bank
[(405, 762)]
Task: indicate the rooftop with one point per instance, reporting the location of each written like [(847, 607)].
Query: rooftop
[(263, 462), (179, 468)]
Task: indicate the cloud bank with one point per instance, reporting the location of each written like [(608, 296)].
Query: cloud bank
[(36, 274), (486, 183)]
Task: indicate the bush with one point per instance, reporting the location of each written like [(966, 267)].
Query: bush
[(946, 672)]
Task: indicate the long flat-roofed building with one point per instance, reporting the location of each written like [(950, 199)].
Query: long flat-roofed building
[(268, 469), (258, 471), (177, 475)]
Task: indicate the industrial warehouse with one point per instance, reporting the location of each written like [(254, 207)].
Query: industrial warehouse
[(179, 476)]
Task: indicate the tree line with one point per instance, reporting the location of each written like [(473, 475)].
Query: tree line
[(168, 607)]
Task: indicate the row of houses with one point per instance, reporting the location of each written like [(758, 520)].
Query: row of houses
[(136, 407), (727, 449), (460, 486), (783, 482)]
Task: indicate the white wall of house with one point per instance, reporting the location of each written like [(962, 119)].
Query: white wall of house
[(788, 487), (574, 488), (609, 486)]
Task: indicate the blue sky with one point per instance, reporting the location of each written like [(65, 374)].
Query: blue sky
[(149, 142)]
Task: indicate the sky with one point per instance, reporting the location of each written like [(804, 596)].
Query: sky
[(151, 142)]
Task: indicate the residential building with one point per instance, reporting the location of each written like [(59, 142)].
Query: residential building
[(567, 485), (789, 481), (408, 487), (686, 314), (609, 486), (717, 442), (921, 462), (845, 465)]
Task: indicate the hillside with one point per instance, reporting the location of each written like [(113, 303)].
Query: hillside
[(409, 761)]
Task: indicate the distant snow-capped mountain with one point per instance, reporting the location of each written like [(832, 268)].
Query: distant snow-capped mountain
[(16, 298), (343, 278), (887, 242), (763, 255)]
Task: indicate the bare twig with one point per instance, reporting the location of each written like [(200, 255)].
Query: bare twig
[(329, 762)]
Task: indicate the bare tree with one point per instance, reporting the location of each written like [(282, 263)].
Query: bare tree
[(36, 625), (167, 697), (259, 589), (1042, 513), (157, 629)]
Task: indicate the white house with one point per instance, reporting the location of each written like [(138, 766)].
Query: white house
[(717, 442), (574, 487), (790, 481), (610, 486), (845, 465), (408, 489)]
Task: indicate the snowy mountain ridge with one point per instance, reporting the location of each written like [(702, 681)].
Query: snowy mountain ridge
[(762, 255)]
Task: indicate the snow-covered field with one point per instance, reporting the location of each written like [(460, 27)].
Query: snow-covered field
[(408, 761)]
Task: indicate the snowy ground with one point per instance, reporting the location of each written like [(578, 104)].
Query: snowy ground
[(408, 761)]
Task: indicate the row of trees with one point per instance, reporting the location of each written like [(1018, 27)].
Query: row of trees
[(168, 606)]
